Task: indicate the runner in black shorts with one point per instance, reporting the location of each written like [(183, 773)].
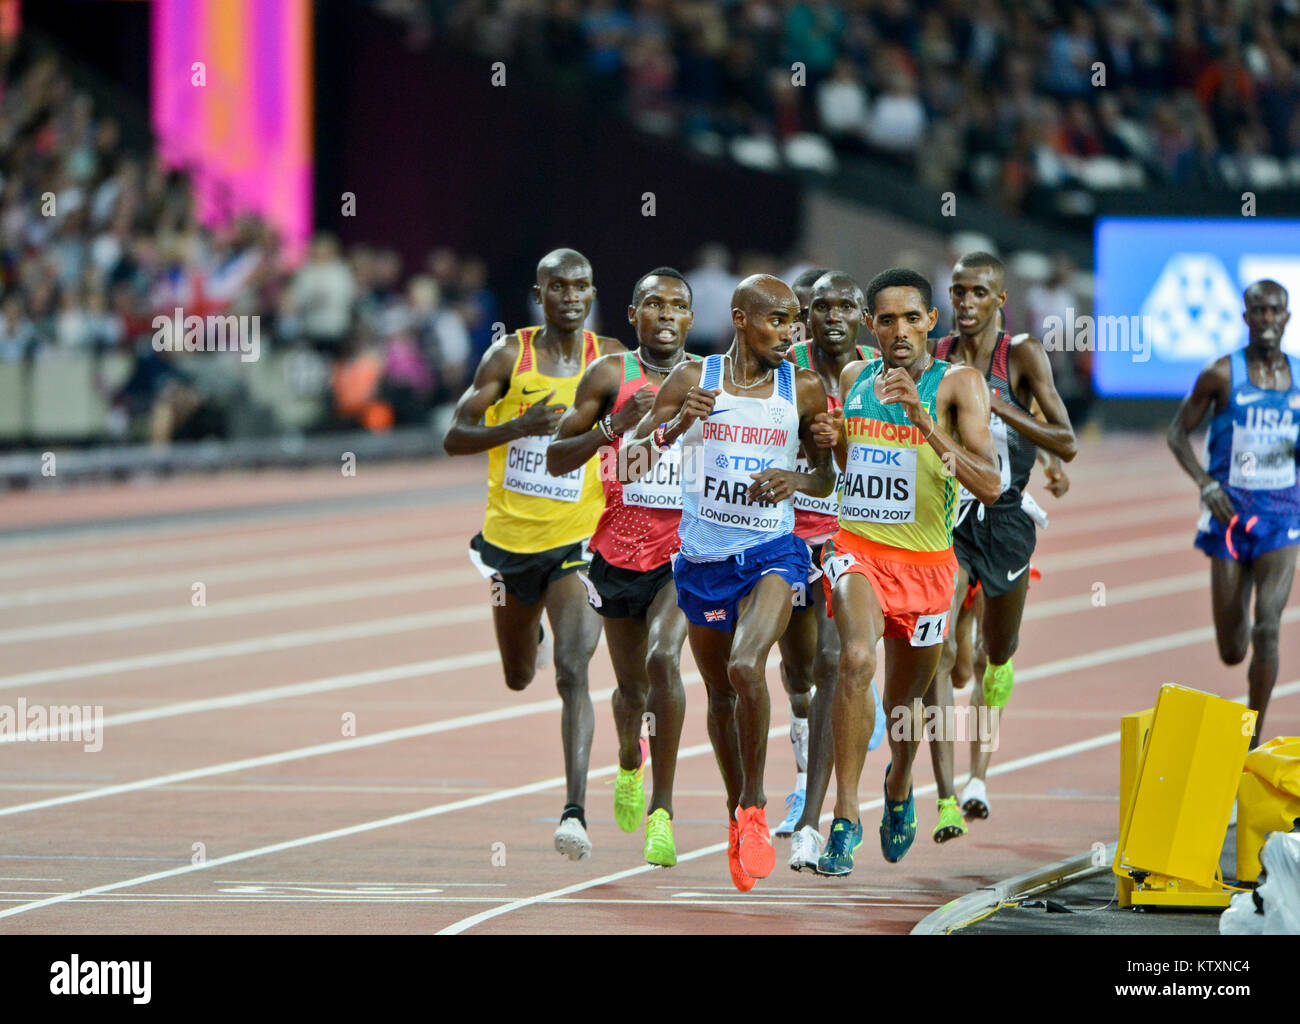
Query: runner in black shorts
[(631, 574), (993, 545)]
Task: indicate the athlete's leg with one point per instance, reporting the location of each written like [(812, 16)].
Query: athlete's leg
[(1231, 582), (967, 630), (667, 700), (821, 743), (798, 646), (577, 631), (1273, 571), (762, 616), (626, 640), (711, 648), (1000, 628), (516, 629), (860, 622), (908, 673), (940, 695)]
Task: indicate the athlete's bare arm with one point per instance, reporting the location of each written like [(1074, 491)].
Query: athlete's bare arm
[(680, 402), (1057, 480), (1029, 366), (1209, 395), (848, 377), (578, 437), (963, 402), (773, 485), (468, 435)]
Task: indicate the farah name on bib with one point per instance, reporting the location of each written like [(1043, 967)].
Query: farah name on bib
[(879, 485), (526, 471), (724, 495), (662, 486)]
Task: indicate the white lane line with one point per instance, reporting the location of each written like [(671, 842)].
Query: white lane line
[(1054, 754), (240, 572), (1102, 656), (257, 645), (1064, 524), (1117, 551), (184, 612), (329, 534), (535, 787)]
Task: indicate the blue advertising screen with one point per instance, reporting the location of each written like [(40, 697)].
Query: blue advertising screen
[(1168, 297)]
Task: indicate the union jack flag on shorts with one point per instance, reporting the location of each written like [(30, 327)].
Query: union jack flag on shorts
[(717, 615)]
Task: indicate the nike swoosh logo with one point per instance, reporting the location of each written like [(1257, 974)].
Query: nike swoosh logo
[(572, 565), (716, 412), (533, 391), (1247, 399), (1014, 575)]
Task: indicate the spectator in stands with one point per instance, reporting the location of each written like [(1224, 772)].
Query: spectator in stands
[(712, 285), (321, 296), (842, 107)]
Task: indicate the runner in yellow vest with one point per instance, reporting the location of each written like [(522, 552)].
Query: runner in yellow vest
[(536, 526)]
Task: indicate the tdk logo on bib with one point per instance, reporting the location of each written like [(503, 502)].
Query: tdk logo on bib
[(745, 463), (880, 456)]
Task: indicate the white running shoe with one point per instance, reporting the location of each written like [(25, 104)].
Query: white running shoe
[(799, 740), (974, 799), (571, 840), (805, 849), (545, 649)]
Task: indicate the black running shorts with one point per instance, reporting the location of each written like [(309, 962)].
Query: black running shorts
[(526, 577), (994, 548), (624, 593)]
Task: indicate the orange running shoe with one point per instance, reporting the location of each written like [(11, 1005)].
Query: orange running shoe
[(739, 879), (757, 856)]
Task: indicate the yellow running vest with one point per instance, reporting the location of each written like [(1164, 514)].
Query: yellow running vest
[(528, 510)]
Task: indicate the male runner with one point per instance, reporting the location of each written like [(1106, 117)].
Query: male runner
[(994, 545), (1250, 521), (631, 572), (741, 418), (810, 646), (910, 423), (536, 525)]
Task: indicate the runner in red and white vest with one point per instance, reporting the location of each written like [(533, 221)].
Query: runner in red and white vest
[(630, 581), (833, 312)]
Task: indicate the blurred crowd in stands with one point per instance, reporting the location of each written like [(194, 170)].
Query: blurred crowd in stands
[(96, 240), (1012, 100)]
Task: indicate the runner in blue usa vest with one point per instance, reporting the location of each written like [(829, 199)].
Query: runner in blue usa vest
[(1250, 495)]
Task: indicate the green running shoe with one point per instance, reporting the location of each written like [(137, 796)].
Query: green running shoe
[(951, 825), (629, 794), (998, 682), (897, 826), (837, 858), (659, 846)]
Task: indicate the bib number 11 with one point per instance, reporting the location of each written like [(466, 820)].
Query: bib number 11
[(929, 630)]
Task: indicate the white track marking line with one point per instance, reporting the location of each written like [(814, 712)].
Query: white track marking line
[(1101, 656), (184, 612), (1053, 754), (327, 534), (1117, 551), (373, 556), (460, 926)]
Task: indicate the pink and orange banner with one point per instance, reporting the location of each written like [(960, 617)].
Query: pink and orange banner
[(232, 101)]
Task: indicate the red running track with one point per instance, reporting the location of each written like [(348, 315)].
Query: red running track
[(325, 745)]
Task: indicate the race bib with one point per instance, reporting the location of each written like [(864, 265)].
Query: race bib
[(526, 471), (929, 630), (1263, 458), (998, 428), (662, 486), (827, 506), (724, 498), (879, 485)]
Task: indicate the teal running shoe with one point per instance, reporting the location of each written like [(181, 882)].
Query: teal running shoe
[(837, 858), (897, 826)]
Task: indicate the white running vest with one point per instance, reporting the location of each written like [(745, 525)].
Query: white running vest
[(743, 435)]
